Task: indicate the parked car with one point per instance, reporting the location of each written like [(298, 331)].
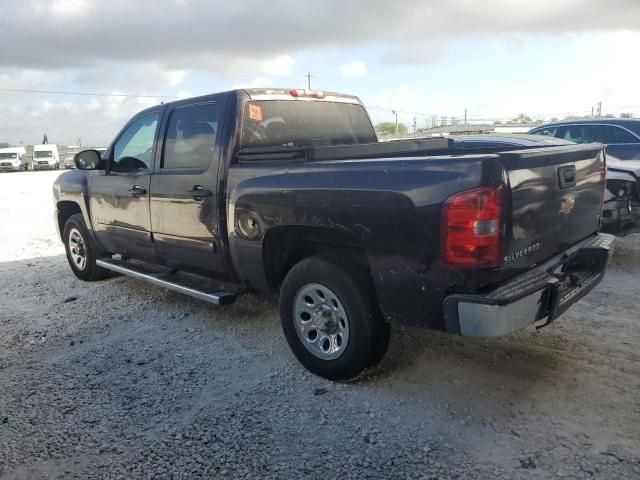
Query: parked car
[(289, 191), (621, 137), (45, 157), (13, 159), (70, 155)]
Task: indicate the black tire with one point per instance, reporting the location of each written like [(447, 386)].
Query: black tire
[(90, 272), (368, 332)]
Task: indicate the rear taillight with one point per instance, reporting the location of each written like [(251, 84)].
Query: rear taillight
[(472, 229)]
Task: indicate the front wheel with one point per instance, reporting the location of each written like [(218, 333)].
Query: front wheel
[(330, 318), (81, 251)]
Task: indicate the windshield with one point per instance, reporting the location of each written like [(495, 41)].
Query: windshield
[(43, 153), (277, 123), (4, 156)]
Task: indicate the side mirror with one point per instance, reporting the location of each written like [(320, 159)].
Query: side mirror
[(87, 160)]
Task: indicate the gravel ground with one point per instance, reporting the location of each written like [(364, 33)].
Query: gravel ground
[(118, 379)]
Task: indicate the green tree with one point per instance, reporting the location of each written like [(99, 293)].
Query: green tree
[(576, 117), (389, 128), (626, 115), (522, 119), (4, 145)]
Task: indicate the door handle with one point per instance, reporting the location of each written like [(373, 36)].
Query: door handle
[(136, 191), (198, 192)]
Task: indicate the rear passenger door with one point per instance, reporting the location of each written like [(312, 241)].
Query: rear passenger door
[(184, 205)]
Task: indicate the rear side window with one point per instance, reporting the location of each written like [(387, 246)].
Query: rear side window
[(620, 135), (191, 137), (289, 123)]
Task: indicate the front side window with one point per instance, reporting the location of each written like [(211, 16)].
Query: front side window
[(134, 149), (191, 137), (548, 131)]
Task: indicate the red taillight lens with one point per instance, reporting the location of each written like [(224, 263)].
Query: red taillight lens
[(472, 229), (306, 93)]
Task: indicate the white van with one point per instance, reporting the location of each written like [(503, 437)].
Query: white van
[(45, 157), (13, 159)]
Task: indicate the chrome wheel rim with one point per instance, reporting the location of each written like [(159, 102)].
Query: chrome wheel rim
[(77, 249), (321, 321)]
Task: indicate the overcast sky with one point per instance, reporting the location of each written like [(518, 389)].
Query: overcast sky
[(497, 58)]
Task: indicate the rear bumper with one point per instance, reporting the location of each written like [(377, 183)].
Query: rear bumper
[(541, 294)]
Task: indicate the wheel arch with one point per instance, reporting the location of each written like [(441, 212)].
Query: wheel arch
[(65, 208), (284, 246)]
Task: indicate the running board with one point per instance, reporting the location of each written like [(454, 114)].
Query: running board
[(218, 297)]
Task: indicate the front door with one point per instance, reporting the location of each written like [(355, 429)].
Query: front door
[(119, 199), (184, 204)]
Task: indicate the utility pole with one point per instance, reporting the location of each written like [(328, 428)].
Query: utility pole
[(396, 114), (309, 77), (599, 109), (414, 125), (465, 115), (591, 111)]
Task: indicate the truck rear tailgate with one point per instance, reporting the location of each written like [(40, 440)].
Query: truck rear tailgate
[(555, 201)]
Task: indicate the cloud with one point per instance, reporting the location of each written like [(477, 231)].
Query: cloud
[(279, 66), (355, 68), (415, 55), (182, 35), (96, 120), (256, 82), (175, 77)]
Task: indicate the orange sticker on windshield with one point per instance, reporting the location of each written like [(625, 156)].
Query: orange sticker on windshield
[(255, 112)]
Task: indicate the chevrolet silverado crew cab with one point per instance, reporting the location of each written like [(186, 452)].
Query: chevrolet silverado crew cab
[(289, 191)]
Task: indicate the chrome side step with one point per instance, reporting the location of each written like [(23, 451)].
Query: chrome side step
[(218, 297)]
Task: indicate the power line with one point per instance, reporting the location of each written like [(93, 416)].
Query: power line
[(86, 94)]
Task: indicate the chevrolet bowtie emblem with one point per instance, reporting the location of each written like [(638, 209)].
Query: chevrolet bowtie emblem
[(566, 204)]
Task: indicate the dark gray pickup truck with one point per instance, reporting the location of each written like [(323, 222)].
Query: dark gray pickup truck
[(289, 191)]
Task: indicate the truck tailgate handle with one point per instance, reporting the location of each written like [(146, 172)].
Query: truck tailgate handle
[(137, 190), (198, 192), (567, 176)]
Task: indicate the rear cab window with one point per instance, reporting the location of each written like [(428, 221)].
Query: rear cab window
[(295, 123)]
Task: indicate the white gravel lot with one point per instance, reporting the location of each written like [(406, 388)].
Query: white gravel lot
[(118, 379)]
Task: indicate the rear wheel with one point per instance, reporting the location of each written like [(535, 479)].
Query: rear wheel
[(81, 251), (330, 318)]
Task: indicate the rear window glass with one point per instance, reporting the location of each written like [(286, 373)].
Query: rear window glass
[(620, 135), (278, 123), (8, 155), (43, 154)]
